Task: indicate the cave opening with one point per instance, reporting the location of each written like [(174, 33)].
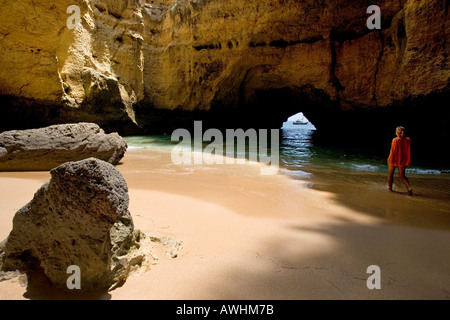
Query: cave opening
[(329, 125), (363, 131), (298, 121)]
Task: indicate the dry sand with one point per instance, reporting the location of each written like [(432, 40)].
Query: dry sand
[(247, 236)]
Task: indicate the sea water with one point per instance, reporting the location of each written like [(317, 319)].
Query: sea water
[(298, 150), (299, 153), (355, 176)]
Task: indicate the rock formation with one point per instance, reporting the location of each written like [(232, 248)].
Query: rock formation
[(47, 148), (79, 218), (130, 62)]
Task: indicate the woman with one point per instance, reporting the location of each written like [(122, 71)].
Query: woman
[(400, 156)]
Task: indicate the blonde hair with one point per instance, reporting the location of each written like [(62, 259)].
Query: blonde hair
[(400, 127)]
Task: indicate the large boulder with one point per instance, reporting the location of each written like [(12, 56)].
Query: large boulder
[(79, 218), (47, 148)]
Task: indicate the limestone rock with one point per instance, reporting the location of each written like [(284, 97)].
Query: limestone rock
[(226, 52), (129, 59), (80, 217), (47, 148)]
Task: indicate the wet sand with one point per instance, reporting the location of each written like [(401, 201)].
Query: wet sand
[(247, 236)]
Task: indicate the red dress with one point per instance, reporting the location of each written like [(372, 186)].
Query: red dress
[(400, 155)]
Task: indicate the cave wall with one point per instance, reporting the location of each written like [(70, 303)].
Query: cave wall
[(138, 66)]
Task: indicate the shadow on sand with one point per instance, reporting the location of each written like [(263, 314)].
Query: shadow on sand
[(330, 261)]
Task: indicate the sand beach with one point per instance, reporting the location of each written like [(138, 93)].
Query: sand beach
[(248, 236), (318, 89)]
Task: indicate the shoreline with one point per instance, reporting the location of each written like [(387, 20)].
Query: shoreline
[(247, 236)]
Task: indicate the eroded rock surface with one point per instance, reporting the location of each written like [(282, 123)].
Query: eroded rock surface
[(47, 148), (129, 59), (81, 218)]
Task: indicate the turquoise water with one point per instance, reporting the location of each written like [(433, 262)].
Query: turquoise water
[(298, 150), (299, 154)]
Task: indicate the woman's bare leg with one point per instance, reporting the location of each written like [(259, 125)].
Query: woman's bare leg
[(401, 172), (391, 176)]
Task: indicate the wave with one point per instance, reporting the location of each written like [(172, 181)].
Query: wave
[(424, 171), (383, 168), (366, 167)]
